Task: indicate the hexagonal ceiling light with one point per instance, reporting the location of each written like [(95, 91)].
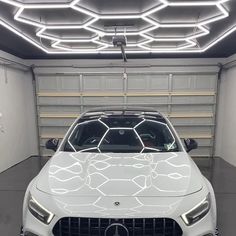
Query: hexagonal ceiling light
[(143, 29)]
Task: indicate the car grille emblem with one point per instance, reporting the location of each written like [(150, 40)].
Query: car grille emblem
[(116, 229), (116, 203)]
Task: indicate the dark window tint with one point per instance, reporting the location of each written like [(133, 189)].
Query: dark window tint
[(157, 135), (121, 121), (121, 140), (86, 135)]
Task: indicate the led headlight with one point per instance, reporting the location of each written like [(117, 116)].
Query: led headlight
[(39, 211), (198, 212)]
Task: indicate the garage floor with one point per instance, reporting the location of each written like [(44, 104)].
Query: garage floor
[(14, 181)]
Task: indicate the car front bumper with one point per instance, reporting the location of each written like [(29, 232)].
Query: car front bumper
[(130, 207), (204, 227)]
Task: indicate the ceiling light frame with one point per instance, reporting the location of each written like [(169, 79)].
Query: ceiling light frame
[(188, 47)]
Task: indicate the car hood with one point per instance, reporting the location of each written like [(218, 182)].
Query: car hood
[(120, 174)]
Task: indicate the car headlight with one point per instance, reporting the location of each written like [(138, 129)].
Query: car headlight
[(38, 211), (198, 212)]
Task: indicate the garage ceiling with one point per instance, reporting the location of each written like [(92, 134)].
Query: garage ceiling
[(84, 28)]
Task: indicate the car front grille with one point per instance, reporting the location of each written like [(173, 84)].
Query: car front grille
[(73, 226)]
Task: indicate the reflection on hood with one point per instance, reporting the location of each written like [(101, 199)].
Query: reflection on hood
[(120, 174)]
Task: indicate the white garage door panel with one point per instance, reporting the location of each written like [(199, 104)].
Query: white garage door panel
[(58, 109), (187, 99), (147, 83), (60, 131), (205, 82), (102, 100), (148, 100), (102, 83), (202, 82), (193, 121), (193, 108), (59, 83), (51, 122), (201, 130), (55, 101), (193, 99)]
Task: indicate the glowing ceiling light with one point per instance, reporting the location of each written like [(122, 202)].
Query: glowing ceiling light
[(149, 51), (57, 45), (154, 10), (149, 20), (148, 29), (194, 3), (107, 17), (100, 43), (90, 22), (87, 12), (84, 51), (98, 32), (41, 35), (28, 39), (46, 6), (29, 22), (82, 40), (177, 25), (145, 42), (13, 3), (74, 2), (217, 40), (145, 16), (204, 31), (95, 40), (224, 12), (189, 44), (130, 33)]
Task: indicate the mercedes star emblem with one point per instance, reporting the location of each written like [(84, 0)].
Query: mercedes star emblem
[(116, 229)]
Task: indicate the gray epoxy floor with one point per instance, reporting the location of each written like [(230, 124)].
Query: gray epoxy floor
[(14, 181)]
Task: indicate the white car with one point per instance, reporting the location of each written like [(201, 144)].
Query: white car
[(120, 172)]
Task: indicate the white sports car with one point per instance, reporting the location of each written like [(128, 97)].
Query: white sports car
[(120, 172)]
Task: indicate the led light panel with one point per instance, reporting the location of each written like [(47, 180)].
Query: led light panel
[(61, 45)]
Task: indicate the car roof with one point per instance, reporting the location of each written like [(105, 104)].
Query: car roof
[(110, 112)]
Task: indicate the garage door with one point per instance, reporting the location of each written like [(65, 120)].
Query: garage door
[(187, 97)]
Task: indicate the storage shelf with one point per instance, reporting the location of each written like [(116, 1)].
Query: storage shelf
[(190, 115), (59, 115), (129, 94), (170, 115), (126, 104), (195, 136), (193, 156), (175, 125), (190, 108), (200, 146)]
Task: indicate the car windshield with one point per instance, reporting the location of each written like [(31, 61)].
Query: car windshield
[(121, 135)]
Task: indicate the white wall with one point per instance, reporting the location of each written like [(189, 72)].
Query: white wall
[(226, 122), (18, 138)]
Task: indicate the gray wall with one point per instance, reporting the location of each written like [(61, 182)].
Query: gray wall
[(226, 122), (18, 138)]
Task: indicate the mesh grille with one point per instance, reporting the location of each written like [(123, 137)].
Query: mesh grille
[(73, 226)]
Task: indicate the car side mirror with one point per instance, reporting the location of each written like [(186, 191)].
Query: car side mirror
[(190, 144), (52, 144)]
